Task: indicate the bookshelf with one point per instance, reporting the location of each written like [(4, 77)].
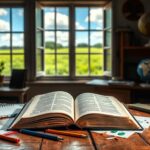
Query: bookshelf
[(130, 55)]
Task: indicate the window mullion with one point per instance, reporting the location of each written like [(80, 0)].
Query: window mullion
[(11, 38), (56, 70), (89, 43), (72, 42)]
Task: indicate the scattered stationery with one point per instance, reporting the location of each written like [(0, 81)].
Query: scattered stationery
[(9, 110), (42, 135), (87, 110), (68, 133), (11, 139)]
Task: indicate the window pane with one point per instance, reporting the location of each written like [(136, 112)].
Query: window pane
[(81, 42), (81, 18), (17, 19), (108, 60), (18, 61), (62, 65), (108, 18), (62, 42), (39, 60), (18, 43), (62, 18), (38, 17), (82, 65), (49, 42), (96, 18), (39, 37), (6, 59), (96, 42), (50, 64), (49, 18), (4, 19), (96, 64), (107, 38), (4, 42)]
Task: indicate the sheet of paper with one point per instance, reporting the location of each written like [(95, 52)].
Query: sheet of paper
[(8, 109), (143, 121)]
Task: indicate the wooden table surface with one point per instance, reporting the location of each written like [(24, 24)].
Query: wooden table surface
[(94, 141)]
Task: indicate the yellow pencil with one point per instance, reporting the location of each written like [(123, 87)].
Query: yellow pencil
[(68, 133)]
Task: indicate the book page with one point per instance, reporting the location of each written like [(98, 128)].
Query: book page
[(88, 103), (54, 102)]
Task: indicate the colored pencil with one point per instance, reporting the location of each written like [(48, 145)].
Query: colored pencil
[(68, 133), (11, 139)]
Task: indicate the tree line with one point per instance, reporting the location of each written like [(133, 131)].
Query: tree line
[(51, 45)]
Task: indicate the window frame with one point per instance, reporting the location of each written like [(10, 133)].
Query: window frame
[(12, 6), (72, 75)]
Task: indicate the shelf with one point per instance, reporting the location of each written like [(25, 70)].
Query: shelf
[(136, 48)]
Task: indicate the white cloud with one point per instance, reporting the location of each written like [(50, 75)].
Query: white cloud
[(18, 40), (62, 20), (79, 26), (95, 16), (62, 37), (5, 39), (49, 36), (3, 12), (4, 25), (96, 37)]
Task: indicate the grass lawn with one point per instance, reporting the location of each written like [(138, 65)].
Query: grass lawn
[(62, 61)]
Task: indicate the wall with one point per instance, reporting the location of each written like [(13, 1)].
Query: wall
[(74, 88), (120, 21)]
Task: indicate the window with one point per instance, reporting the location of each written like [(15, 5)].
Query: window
[(88, 41), (75, 41), (12, 38)]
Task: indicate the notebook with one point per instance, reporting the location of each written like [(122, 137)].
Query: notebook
[(9, 110)]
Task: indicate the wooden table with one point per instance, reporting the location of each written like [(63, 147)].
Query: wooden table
[(14, 92), (94, 141)]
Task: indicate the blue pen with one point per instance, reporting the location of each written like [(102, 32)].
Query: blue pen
[(42, 135)]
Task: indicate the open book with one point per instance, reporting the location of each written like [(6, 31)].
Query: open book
[(88, 110)]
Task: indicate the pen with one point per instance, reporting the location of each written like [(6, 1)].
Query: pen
[(11, 139), (69, 133), (42, 135)]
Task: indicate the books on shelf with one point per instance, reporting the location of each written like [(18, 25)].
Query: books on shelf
[(87, 110)]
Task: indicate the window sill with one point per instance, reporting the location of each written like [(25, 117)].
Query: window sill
[(58, 82)]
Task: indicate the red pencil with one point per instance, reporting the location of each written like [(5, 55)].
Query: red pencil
[(11, 139)]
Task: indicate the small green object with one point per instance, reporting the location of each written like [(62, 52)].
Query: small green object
[(114, 131), (121, 133)]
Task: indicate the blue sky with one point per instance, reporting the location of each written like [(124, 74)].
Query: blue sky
[(81, 24), (62, 23), (17, 26)]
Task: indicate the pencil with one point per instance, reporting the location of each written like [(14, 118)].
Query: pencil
[(69, 133), (42, 135), (11, 139)]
